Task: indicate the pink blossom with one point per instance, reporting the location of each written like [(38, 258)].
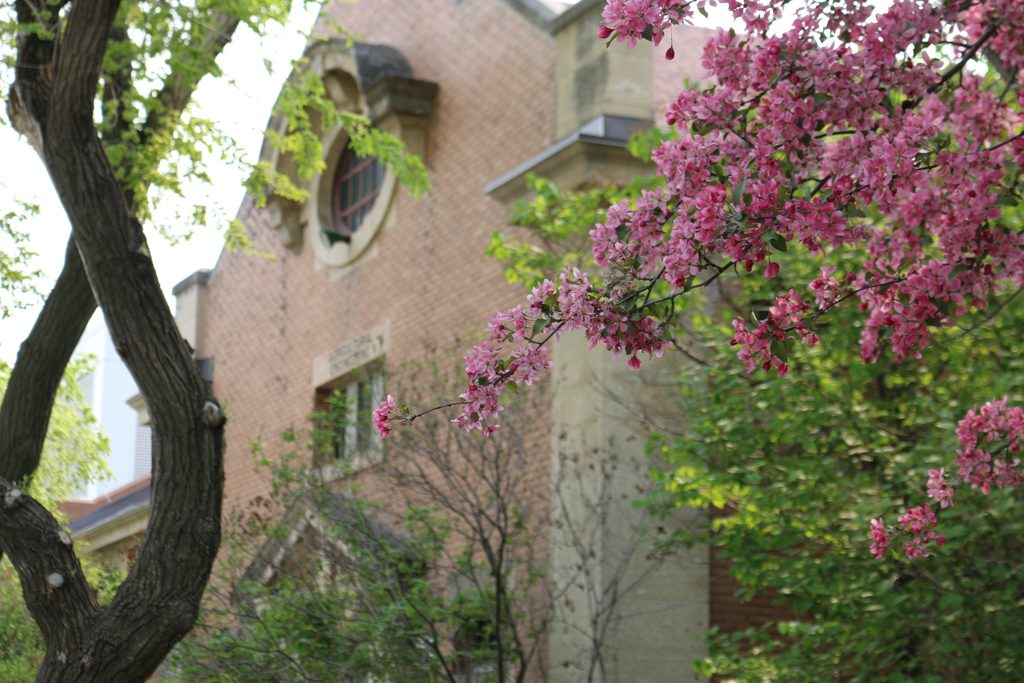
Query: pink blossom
[(915, 548), (758, 346), (879, 538), (382, 416), (827, 289), (916, 520), (938, 489), (528, 361), (987, 435), (981, 465)]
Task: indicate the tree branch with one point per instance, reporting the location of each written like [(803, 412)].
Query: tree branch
[(28, 400), (178, 88), (52, 581), (29, 96)]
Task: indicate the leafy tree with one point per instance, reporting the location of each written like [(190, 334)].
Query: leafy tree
[(16, 271), (75, 450), (102, 91), (788, 468)]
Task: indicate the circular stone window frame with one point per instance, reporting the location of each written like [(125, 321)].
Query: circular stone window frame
[(375, 81), (318, 212)]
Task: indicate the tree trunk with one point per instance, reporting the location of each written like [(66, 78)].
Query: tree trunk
[(52, 101)]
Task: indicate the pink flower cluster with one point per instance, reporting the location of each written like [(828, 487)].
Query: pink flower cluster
[(759, 347), (382, 416), (919, 522), (989, 436), (805, 129), (879, 538), (827, 289), (632, 20), (490, 373), (938, 489), (515, 353)]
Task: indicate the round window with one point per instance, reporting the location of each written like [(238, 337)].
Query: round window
[(356, 185)]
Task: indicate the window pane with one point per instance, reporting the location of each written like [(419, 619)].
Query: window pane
[(356, 185)]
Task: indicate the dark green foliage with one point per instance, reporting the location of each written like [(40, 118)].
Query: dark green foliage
[(802, 463)]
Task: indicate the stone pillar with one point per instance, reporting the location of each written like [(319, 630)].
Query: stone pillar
[(644, 616), (190, 302), (591, 79)]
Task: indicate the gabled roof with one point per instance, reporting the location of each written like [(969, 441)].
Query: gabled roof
[(87, 515)]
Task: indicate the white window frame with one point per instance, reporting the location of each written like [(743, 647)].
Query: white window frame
[(362, 445)]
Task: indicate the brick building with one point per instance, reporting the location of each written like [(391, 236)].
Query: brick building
[(364, 276)]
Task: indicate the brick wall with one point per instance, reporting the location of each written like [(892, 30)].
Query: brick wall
[(267, 319), (730, 611)]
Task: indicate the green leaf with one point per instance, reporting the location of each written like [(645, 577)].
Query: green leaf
[(780, 350), (737, 192), (777, 241)]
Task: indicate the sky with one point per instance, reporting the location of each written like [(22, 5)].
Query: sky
[(240, 102)]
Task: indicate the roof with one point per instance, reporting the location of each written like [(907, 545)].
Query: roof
[(76, 508), (199, 277), (547, 14), (605, 130), (112, 506), (558, 6)]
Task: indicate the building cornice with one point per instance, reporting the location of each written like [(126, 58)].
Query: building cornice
[(596, 147)]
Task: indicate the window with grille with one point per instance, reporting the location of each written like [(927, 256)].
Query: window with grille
[(346, 420), (356, 186)]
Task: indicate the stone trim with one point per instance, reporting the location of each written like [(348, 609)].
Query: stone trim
[(374, 80), (339, 363), (397, 95), (596, 148)]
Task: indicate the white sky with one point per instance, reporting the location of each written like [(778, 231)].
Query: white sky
[(240, 102)]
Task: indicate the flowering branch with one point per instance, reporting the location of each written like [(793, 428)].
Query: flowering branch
[(845, 133)]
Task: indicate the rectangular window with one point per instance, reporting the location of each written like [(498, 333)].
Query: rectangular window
[(345, 416), (143, 451)]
